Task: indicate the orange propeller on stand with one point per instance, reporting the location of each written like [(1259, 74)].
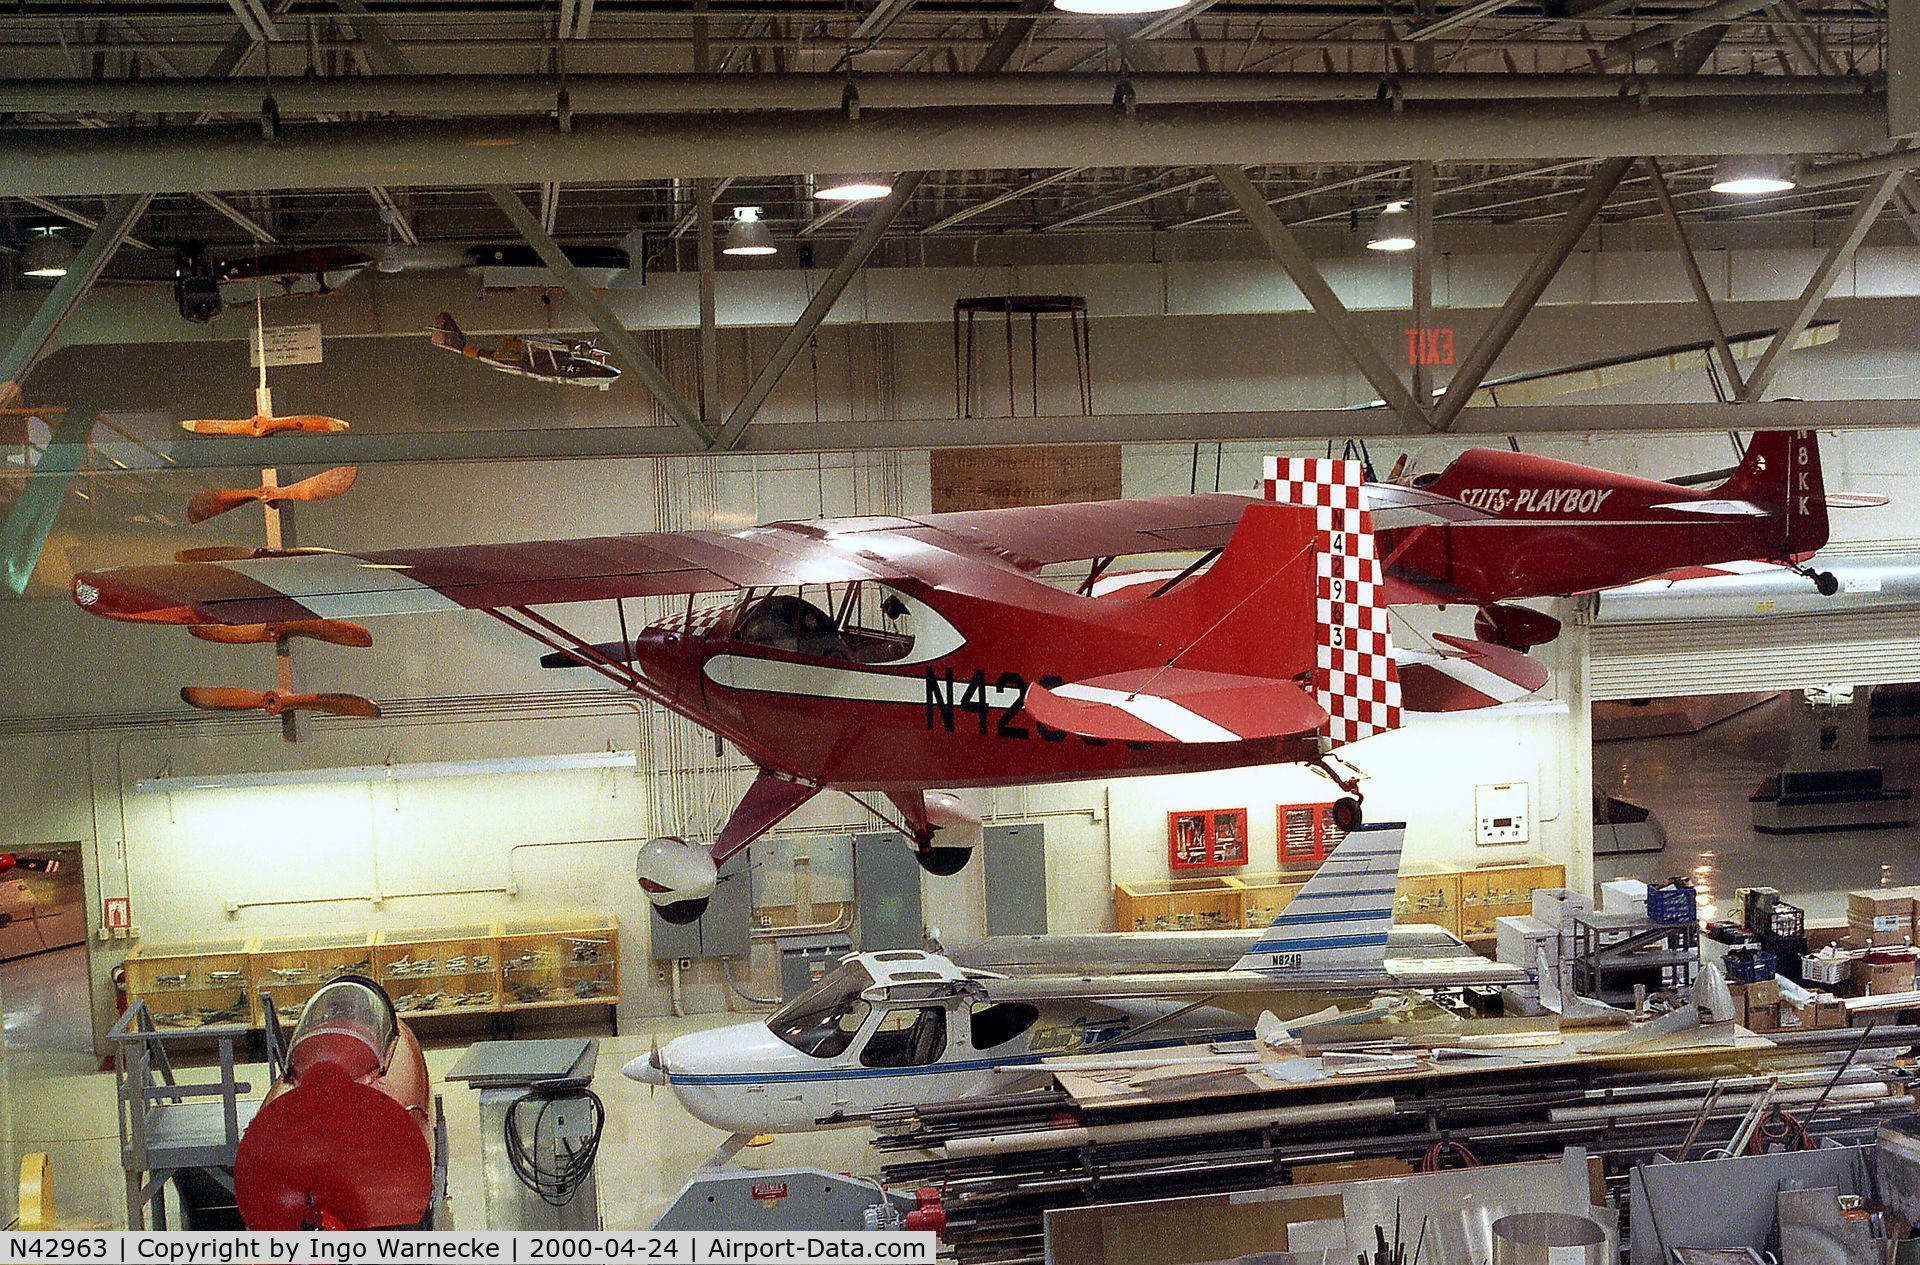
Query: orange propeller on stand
[(320, 487), (335, 632), (222, 698)]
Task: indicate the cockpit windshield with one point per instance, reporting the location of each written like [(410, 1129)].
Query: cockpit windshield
[(824, 1020), (853, 623), (353, 1007)]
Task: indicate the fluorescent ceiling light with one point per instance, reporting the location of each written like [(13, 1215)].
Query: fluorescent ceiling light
[(749, 235), (389, 772), (852, 188), (47, 255), (1117, 6), (1748, 174), (1393, 230)]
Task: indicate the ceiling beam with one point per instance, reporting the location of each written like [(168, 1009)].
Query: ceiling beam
[(72, 216), (803, 329), (621, 343), (1837, 257), (510, 443), (56, 162), (1286, 248), (1028, 189), (251, 226), (31, 342)]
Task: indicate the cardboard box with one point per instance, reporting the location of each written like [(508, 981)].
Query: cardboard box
[(1559, 906), (1624, 896), (1764, 992), (1883, 916), (1878, 974), (1519, 940), (1762, 1018), (1829, 1012)]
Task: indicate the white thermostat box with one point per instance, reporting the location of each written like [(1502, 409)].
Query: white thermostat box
[(1500, 813)]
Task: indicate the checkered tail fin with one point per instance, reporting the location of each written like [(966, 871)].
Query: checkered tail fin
[(1354, 676), (1338, 923)]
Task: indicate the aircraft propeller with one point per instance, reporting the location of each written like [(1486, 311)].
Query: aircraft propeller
[(260, 425), (222, 698), (320, 487), (334, 632)]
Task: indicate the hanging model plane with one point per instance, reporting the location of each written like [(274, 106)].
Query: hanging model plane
[(568, 361), (893, 655), (904, 1026)]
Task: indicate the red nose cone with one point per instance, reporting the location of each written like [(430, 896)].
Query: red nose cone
[(332, 1150)]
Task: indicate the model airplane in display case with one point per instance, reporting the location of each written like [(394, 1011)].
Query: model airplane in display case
[(894, 655), (568, 361)]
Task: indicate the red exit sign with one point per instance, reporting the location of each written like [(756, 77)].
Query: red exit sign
[(1430, 345)]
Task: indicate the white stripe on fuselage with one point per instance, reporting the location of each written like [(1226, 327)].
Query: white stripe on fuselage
[(823, 680)]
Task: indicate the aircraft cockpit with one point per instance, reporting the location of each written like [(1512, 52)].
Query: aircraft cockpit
[(896, 1009), (851, 623)]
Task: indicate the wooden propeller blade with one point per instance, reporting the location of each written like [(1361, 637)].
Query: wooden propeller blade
[(226, 698), (260, 425), (332, 631), (320, 487)]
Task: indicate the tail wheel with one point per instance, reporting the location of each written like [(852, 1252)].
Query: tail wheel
[(1826, 583), (943, 861), (1347, 814), (682, 912)]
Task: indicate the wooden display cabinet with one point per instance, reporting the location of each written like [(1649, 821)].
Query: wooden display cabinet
[(1207, 838), (1178, 904), (291, 968), (440, 970), (1264, 896), (1428, 893), (1492, 892), (562, 961), (202, 984)]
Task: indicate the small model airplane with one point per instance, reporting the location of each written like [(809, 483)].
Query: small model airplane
[(894, 655), (569, 361), (904, 1026)]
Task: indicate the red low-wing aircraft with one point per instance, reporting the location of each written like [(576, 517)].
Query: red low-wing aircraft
[(892, 654)]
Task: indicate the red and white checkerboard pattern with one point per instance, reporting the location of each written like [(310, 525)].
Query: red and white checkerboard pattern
[(703, 621), (1354, 675)]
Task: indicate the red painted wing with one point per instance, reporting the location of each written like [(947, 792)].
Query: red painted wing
[(1177, 705), (1465, 675)]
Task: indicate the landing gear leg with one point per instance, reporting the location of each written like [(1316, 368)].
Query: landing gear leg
[(1347, 814)]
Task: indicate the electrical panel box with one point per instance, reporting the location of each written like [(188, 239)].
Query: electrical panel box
[(1500, 814), (721, 932)]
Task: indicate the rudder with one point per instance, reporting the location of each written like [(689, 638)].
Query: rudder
[(1354, 676)]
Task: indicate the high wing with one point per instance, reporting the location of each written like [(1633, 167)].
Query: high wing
[(313, 585)]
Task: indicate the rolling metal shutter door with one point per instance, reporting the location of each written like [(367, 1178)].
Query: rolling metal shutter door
[(1667, 658)]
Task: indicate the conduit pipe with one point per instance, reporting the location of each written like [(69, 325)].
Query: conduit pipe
[(420, 96), (1688, 1103), (80, 161), (1820, 177), (1176, 1127)]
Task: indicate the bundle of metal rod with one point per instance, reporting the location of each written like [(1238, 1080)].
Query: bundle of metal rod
[(1004, 1160)]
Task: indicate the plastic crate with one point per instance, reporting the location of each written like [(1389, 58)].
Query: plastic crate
[(1749, 966), (1786, 921), (1671, 902)]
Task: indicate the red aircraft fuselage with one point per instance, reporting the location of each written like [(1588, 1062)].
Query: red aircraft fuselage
[(851, 708)]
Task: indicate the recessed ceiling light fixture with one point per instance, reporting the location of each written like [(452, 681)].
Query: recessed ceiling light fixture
[(749, 234), (1748, 174), (1122, 7), (1393, 230), (48, 255), (861, 187)]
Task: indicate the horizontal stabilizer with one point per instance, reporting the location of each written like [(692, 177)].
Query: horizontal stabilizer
[(1854, 500), (1177, 705), (1460, 674)]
